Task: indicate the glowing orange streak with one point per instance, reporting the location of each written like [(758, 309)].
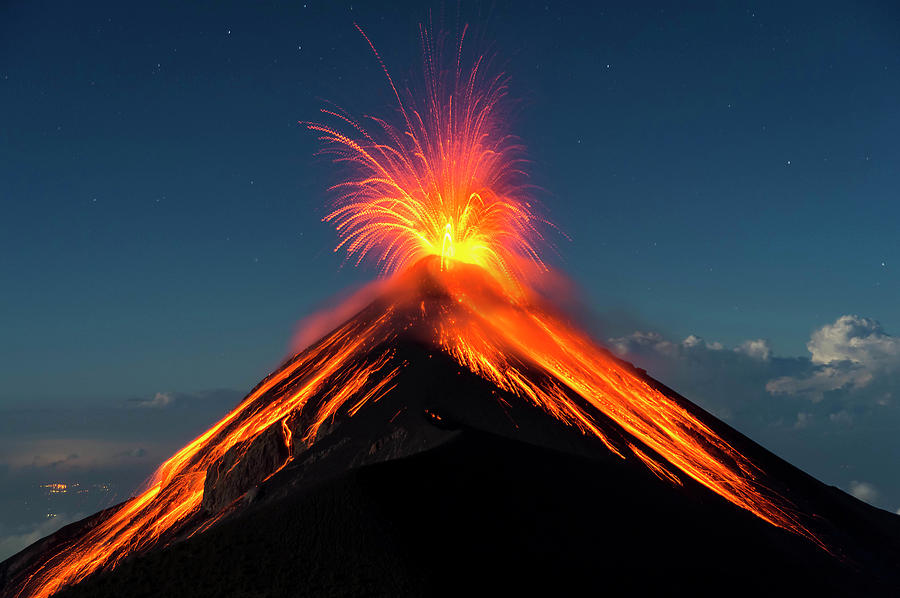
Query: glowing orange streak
[(483, 343), (176, 490), (446, 183), (660, 471), (447, 246), (484, 360)]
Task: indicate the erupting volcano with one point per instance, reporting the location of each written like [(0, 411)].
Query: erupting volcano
[(457, 338)]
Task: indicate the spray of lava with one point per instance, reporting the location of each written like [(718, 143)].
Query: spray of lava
[(439, 202), (447, 182)]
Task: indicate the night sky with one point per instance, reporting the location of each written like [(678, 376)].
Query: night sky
[(725, 177)]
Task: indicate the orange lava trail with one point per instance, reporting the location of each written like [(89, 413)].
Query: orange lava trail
[(499, 340), (338, 367)]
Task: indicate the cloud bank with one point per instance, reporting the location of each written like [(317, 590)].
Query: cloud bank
[(848, 354), (832, 412), (106, 449)]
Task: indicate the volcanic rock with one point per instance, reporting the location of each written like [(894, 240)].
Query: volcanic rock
[(242, 468), (487, 515)]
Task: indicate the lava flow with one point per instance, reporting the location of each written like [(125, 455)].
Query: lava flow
[(439, 200)]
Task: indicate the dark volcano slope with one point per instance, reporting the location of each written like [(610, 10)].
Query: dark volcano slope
[(481, 513), (448, 485)]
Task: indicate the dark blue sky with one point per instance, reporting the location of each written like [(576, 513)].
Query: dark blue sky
[(731, 173), (723, 171)]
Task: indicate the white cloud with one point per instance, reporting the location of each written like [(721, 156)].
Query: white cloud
[(159, 400), (643, 341), (822, 380), (830, 417), (692, 341), (758, 349), (637, 341), (695, 342), (855, 339), (848, 354), (182, 399), (864, 491)]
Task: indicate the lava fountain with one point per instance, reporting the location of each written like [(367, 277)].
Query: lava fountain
[(448, 181), (440, 201)]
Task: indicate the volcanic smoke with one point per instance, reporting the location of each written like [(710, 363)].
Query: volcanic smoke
[(439, 200)]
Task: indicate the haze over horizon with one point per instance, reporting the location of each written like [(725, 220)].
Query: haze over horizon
[(724, 174)]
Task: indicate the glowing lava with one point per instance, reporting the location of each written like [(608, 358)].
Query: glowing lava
[(439, 201), (447, 182)]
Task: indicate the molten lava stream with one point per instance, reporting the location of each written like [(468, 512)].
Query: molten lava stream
[(486, 336), (336, 369)]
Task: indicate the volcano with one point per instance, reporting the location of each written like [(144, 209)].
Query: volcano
[(460, 433), (377, 462)]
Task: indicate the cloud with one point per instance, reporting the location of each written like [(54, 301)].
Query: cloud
[(822, 380), (159, 400), (848, 354), (10, 544), (118, 434), (728, 381), (852, 362), (695, 342), (63, 454), (642, 341), (835, 417), (116, 443), (637, 342), (854, 339), (864, 491), (758, 349), (180, 400)]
